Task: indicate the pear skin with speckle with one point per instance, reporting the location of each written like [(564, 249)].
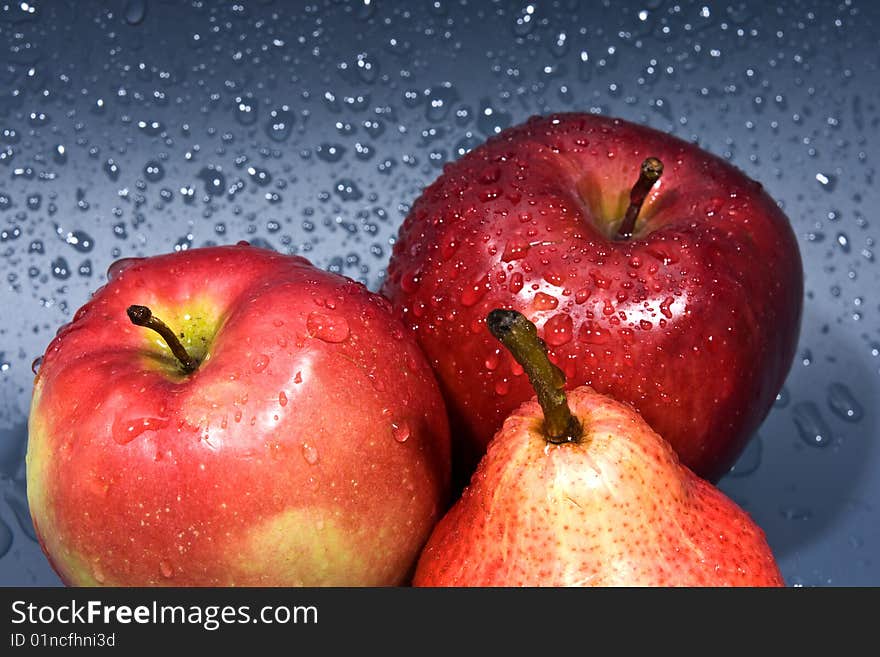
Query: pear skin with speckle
[(615, 508)]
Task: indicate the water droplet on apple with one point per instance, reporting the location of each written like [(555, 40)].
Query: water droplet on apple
[(811, 426), (98, 573), (282, 399), (476, 291), (298, 378), (310, 453), (125, 430), (166, 569), (558, 330), (591, 333), (516, 283), (515, 249), (327, 327), (260, 363), (400, 431), (600, 279), (843, 404), (116, 268), (543, 301)]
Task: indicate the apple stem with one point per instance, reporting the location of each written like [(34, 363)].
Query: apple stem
[(520, 337), (652, 169), (143, 316)]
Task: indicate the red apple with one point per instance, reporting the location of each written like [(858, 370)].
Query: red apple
[(308, 445), (693, 318)]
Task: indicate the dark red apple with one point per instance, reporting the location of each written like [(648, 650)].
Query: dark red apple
[(288, 431), (693, 318)]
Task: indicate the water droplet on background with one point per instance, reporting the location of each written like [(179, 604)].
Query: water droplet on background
[(843, 403), (134, 12), (811, 426)]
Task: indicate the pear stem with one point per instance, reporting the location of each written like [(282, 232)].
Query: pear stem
[(652, 169), (143, 316), (520, 337)]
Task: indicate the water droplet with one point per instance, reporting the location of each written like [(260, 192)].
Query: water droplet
[(782, 398), (400, 431), (591, 333), (215, 181), (59, 154), (151, 128), (60, 269), (438, 101), (154, 171), (827, 181), (134, 12), (280, 123), (843, 404), (476, 291), (166, 569), (111, 168), (260, 363), (326, 327), (750, 459), (347, 190), (98, 573), (330, 152), (515, 250), (310, 453), (543, 301), (558, 330), (246, 109), (811, 426), (282, 399), (116, 268), (124, 431), (260, 176)]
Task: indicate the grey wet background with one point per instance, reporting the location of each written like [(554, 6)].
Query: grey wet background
[(136, 127)]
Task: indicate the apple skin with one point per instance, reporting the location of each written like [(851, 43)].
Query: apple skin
[(694, 321), (310, 447), (615, 509)]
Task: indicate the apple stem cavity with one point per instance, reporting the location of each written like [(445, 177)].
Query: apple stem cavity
[(143, 316), (520, 337), (652, 169)]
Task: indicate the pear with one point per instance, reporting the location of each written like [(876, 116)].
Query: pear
[(580, 491)]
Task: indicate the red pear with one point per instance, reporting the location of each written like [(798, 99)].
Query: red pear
[(580, 491)]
